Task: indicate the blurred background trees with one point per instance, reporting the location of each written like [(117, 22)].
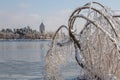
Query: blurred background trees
[(24, 33)]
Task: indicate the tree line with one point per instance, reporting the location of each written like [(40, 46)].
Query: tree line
[(24, 33)]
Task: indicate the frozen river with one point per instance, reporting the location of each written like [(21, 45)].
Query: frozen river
[(25, 60)]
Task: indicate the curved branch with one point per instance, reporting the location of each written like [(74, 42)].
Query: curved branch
[(116, 16), (77, 11), (96, 10), (62, 26), (99, 27), (89, 3)]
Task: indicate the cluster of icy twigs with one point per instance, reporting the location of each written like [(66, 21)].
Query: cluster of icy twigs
[(96, 46)]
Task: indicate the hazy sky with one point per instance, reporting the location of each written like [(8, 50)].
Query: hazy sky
[(20, 13)]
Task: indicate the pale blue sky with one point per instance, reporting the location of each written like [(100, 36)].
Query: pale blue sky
[(20, 13)]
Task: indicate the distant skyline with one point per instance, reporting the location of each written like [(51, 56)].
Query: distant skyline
[(53, 13)]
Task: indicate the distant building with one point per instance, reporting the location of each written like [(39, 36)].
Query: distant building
[(42, 28)]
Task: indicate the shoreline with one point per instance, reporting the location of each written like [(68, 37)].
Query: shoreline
[(12, 40)]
